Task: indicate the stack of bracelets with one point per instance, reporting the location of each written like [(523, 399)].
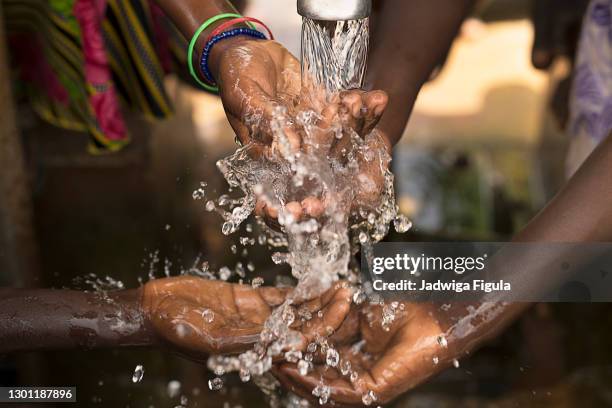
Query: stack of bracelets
[(224, 31)]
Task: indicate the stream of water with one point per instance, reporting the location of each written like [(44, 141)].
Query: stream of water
[(335, 169)]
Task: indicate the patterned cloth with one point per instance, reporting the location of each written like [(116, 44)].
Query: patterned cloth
[(79, 58), (591, 105)]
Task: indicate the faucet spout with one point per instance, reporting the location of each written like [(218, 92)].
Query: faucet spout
[(334, 10)]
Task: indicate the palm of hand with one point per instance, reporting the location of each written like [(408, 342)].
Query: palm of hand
[(199, 317), (387, 363), (259, 77)]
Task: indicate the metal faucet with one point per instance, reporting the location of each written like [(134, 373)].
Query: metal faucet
[(334, 10)]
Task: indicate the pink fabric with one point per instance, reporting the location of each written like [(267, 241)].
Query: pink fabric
[(103, 100)]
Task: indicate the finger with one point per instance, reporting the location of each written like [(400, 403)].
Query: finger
[(544, 23), (271, 212), (348, 331), (351, 110), (287, 142), (342, 391), (260, 208), (242, 131), (375, 103), (295, 210), (250, 305), (312, 207), (274, 296), (330, 318), (196, 331), (321, 135), (353, 101), (253, 106)]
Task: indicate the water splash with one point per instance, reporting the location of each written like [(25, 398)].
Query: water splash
[(346, 172)]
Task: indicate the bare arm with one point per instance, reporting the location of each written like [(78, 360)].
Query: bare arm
[(410, 38), (188, 16), (403, 357), (64, 319)]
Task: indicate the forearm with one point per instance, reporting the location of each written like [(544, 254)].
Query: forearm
[(189, 15), (409, 39), (581, 212), (64, 319)]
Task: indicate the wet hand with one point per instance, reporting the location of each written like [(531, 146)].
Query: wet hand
[(198, 317), (257, 78), (389, 362)]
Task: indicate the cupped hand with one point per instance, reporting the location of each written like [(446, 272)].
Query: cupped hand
[(198, 317), (391, 360), (259, 79)]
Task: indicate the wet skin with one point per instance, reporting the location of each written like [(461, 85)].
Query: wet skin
[(258, 77), (255, 77), (164, 312), (175, 312)]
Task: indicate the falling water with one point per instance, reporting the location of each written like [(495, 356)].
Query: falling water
[(318, 250), (335, 53)]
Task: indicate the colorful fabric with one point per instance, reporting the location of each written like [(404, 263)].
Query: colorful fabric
[(591, 105), (79, 58)]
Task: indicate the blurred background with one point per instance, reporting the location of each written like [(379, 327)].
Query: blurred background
[(484, 151)]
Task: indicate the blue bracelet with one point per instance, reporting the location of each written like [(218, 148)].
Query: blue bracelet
[(249, 32)]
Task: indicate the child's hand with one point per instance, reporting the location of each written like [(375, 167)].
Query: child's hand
[(389, 364), (258, 77), (200, 317)]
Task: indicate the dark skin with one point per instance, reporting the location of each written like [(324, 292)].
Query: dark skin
[(402, 34), (255, 77), (391, 362), (192, 316), (395, 361), (398, 360)]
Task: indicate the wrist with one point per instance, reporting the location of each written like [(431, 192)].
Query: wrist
[(221, 48), (129, 312)]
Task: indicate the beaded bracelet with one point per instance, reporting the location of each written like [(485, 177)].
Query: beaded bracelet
[(223, 36), (194, 40), (249, 20)]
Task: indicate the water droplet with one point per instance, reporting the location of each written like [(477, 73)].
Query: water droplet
[(363, 237), (227, 228), (257, 282), (245, 375), (293, 356), (215, 384), (173, 388), (323, 392), (208, 315), (345, 367), (402, 224), (442, 341), (138, 374), (455, 363), (368, 398), (303, 367), (332, 357), (225, 273), (359, 297)]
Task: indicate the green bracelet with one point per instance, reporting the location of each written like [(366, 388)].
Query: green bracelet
[(193, 42)]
